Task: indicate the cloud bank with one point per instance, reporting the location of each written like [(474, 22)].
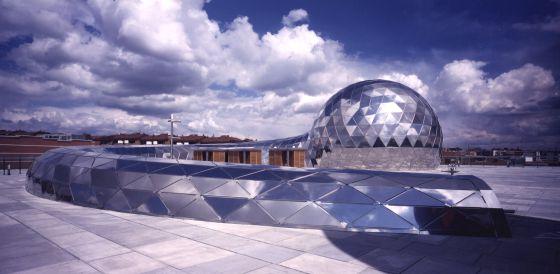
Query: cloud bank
[(119, 66)]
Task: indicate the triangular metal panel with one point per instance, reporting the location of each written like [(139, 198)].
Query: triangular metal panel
[(127, 177), (283, 192), (229, 189), (153, 206), (192, 169), (346, 194), (382, 218), (255, 188), (280, 210), (235, 172), (347, 177), (474, 200), (314, 191), (319, 177), (104, 178), (160, 181), (346, 213), (408, 179), (117, 202), (99, 162), (448, 196), (313, 215), (176, 201), (198, 210), (224, 206), (270, 175), (103, 194), (143, 183), (251, 213), (413, 197), (136, 197), (449, 182), (82, 194), (181, 186), (205, 184), (380, 193), (213, 173), (418, 216), (153, 166), (83, 161), (131, 165)]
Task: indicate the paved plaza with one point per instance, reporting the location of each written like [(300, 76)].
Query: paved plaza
[(44, 236)]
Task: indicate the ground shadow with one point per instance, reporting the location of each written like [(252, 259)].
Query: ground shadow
[(534, 247)]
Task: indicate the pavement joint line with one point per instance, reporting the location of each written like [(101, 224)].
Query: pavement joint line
[(131, 250), (212, 244)]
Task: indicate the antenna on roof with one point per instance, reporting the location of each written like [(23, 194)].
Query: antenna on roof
[(172, 121)]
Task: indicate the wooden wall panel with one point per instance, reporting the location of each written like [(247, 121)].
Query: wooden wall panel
[(219, 156), (198, 155), (233, 157), (255, 157), (299, 158)]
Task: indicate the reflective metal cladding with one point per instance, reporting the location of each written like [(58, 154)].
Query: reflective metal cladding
[(387, 125), (357, 200), (371, 124)]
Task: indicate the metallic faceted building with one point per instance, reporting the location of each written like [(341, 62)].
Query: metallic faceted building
[(376, 124), (372, 124)]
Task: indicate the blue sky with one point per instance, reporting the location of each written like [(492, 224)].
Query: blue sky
[(263, 69)]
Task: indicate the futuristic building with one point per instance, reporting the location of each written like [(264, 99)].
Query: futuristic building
[(374, 124), (247, 183)]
